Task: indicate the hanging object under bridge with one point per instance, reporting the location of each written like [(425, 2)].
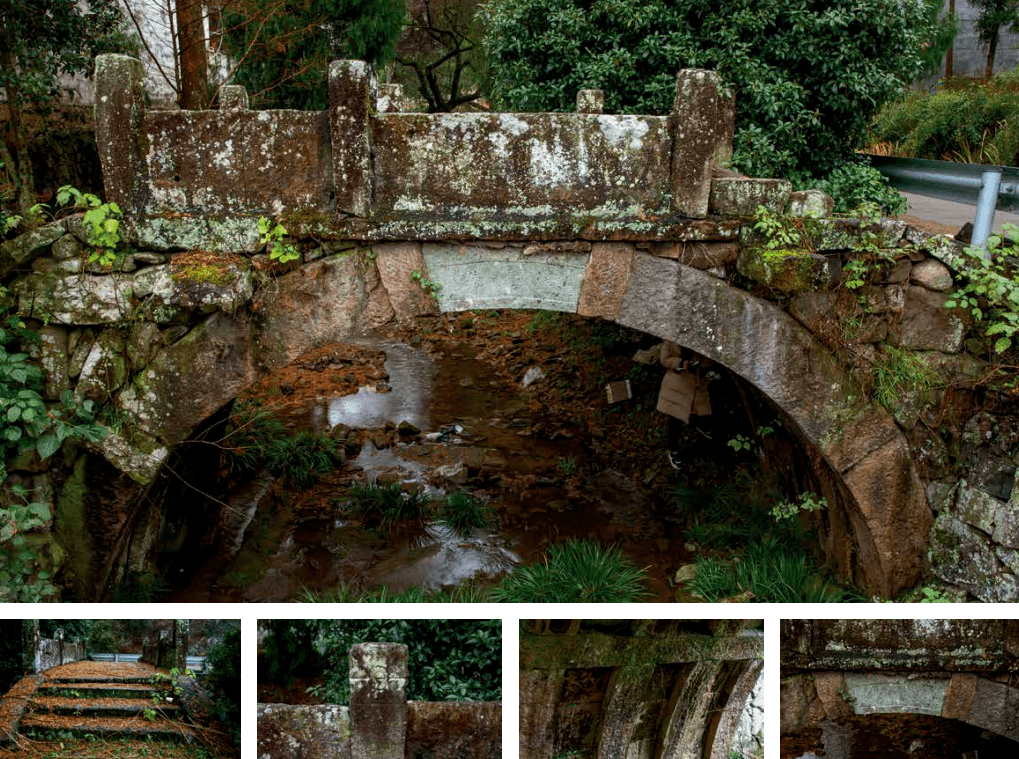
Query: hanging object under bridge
[(990, 188)]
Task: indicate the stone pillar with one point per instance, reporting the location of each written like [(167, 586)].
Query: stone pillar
[(181, 627), (233, 97), (694, 127), (119, 117), (539, 693), (352, 101), (590, 101), (31, 663), (378, 700)]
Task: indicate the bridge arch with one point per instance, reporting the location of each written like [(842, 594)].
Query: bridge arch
[(886, 509)]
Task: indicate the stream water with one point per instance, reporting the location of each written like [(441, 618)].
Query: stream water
[(474, 423)]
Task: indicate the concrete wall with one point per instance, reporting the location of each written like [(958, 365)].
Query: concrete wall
[(380, 723), (970, 56)]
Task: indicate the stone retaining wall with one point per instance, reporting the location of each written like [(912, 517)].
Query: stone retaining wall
[(380, 723)]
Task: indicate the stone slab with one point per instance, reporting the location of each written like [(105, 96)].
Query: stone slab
[(896, 694)]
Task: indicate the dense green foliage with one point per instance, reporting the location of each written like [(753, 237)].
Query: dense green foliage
[(39, 41), (283, 48), (856, 183), (577, 571), (972, 122), (290, 650), (807, 74), (448, 659), (29, 427), (224, 680)]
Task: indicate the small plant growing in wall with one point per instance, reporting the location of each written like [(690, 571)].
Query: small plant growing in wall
[(809, 502), (431, 288), (102, 222), (271, 234)]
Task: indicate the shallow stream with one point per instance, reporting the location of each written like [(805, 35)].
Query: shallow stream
[(478, 433)]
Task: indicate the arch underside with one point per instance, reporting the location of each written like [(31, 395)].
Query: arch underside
[(966, 697), (888, 513)]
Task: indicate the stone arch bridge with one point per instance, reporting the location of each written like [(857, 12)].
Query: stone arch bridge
[(626, 218), (660, 689), (837, 672)]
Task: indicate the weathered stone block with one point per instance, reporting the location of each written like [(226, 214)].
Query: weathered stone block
[(932, 274), (788, 271), (896, 694), (24, 249), (741, 196), (397, 264), (550, 281), (138, 456), (926, 324), (119, 116), (605, 280), (233, 97), (454, 730), (303, 732), (173, 394), (390, 98), (53, 358), (76, 299), (813, 204), (105, 368), (961, 556)]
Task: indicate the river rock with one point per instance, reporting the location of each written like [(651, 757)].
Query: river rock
[(532, 375)]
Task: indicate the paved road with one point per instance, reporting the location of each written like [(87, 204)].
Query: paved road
[(950, 214)]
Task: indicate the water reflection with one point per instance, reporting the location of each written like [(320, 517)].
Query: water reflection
[(410, 370)]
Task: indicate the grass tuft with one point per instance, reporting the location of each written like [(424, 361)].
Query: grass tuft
[(463, 513), (577, 571)]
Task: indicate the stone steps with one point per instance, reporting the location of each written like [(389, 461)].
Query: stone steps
[(101, 707), (66, 704)]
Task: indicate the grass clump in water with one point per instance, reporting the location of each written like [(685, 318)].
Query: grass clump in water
[(384, 505), (766, 574), (463, 513), (300, 460), (577, 571)]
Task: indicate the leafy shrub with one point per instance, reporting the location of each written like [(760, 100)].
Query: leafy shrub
[(972, 123), (448, 659), (855, 184), (807, 76), (577, 571), (224, 680), (462, 513), (990, 291)]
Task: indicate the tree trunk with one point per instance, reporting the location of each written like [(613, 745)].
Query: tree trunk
[(194, 77), (992, 48)]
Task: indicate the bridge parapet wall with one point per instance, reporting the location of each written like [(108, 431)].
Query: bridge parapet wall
[(358, 171), (380, 723)]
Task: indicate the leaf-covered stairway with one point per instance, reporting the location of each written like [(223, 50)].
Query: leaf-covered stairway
[(102, 699)]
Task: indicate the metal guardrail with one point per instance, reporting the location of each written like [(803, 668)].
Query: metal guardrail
[(194, 663), (989, 188)]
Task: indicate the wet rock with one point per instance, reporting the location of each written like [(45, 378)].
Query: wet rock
[(455, 473), (532, 375), (406, 429)]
